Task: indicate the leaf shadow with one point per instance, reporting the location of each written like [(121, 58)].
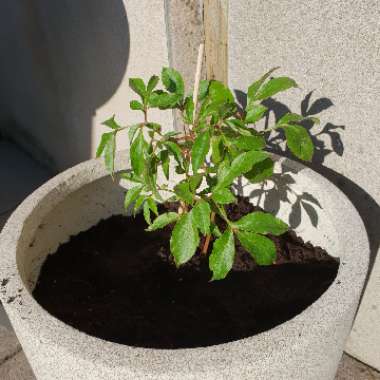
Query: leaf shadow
[(304, 203)]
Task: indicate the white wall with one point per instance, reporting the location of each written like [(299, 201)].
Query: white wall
[(333, 48), (65, 67)]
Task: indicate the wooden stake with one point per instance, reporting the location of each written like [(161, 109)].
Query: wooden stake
[(215, 19)]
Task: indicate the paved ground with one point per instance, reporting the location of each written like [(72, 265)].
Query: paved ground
[(15, 185)]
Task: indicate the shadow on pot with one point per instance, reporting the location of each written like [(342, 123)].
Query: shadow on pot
[(368, 208)]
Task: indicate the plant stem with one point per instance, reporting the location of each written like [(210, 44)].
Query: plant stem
[(208, 237)]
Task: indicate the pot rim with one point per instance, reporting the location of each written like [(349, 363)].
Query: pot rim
[(344, 290)]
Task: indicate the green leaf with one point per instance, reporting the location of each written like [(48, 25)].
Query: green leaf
[(163, 220), (130, 176), (254, 113), (163, 100), (152, 83), (152, 205), (194, 181), (222, 256), (200, 149), (103, 142), (262, 249), (274, 86), (250, 142), (139, 201), (203, 89), (240, 165), (132, 195), (138, 154), (183, 192), (262, 223), (219, 93), (164, 157), (109, 152), (132, 131), (138, 86), (299, 142), (255, 86), (111, 123), (184, 240), (201, 216), (217, 149), (223, 196), (173, 81), (260, 171), (290, 117), (189, 110), (215, 230), (154, 126), (136, 105), (175, 150), (146, 213)]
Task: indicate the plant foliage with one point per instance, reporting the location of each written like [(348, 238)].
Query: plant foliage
[(197, 169)]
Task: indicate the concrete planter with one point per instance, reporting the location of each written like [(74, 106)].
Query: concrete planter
[(308, 347)]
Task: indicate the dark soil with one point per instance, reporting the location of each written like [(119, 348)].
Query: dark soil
[(118, 282)]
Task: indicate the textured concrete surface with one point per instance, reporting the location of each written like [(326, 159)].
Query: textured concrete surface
[(66, 66), (57, 351), (331, 49)]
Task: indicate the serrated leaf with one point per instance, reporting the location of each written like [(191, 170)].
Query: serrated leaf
[(222, 256), (240, 165), (109, 152), (189, 110), (164, 100), (111, 123), (299, 142), (195, 181), (136, 105), (152, 205), (219, 93), (146, 213), (175, 150), (200, 149), (262, 223), (131, 195), (274, 86), (260, 171), (215, 230), (138, 153), (223, 196), (201, 216), (184, 240), (163, 220), (152, 83), (250, 142), (132, 131), (173, 81), (164, 157), (290, 117), (254, 113), (103, 142), (217, 149), (255, 86), (203, 89), (261, 248), (183, 192), (138, 86), (139, 201)]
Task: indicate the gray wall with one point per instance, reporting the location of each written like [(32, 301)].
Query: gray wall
[(332, 49), (65, 67)]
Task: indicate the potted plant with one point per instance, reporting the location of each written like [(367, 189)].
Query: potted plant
[(212, 286)]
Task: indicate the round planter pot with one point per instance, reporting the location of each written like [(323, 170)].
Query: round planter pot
[(307, 347)]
